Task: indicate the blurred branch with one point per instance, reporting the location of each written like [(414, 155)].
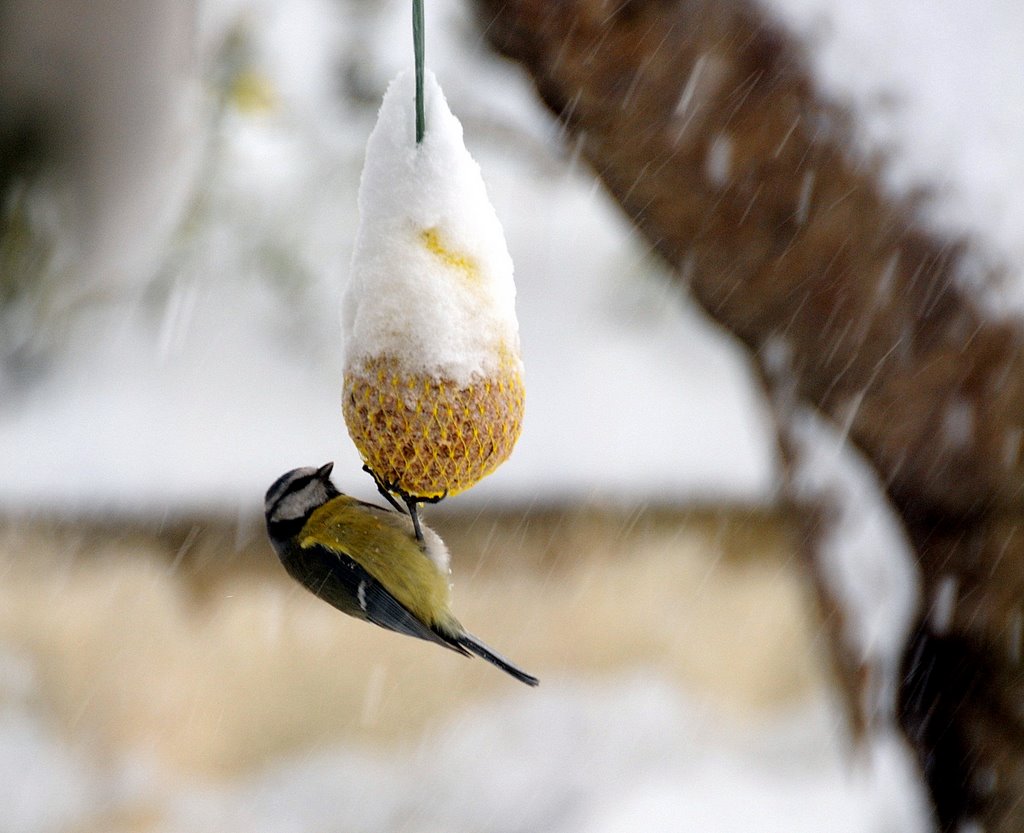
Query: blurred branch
[(702, 120)]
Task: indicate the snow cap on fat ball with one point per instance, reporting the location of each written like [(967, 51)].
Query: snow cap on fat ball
[(433, 391)]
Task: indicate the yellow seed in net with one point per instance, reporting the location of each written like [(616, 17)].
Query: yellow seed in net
[(435, 437)]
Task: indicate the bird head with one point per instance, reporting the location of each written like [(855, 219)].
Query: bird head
[(294, 496)]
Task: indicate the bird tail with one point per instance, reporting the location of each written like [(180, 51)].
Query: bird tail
[(475, 646)]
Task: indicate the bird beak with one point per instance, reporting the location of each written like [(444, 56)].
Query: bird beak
[(325, 470)]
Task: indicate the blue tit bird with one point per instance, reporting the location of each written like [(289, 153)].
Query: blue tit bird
[(366, 561)]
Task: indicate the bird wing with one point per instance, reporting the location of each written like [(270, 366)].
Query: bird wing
[(382, 543), (336, 578)]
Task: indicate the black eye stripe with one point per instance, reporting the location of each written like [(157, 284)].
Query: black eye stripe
[(300, 483)]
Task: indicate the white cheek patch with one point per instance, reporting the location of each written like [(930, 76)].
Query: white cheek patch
[(298, 504), (282, 486)]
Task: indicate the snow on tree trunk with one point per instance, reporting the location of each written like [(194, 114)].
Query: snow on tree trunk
[(702, 119)]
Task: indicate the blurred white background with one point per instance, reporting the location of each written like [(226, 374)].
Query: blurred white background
[(178, 347)]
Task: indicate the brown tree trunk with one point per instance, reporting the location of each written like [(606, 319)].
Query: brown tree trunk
[(702, 120)]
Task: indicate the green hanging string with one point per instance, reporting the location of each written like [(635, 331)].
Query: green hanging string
[(418, 49)]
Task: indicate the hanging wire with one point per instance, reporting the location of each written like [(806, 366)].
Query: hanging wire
[(418, 51)]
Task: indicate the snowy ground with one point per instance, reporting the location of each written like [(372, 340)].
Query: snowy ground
[(138, 696), (576, 758)]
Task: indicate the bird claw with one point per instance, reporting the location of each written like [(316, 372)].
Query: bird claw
[(389, 490)]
